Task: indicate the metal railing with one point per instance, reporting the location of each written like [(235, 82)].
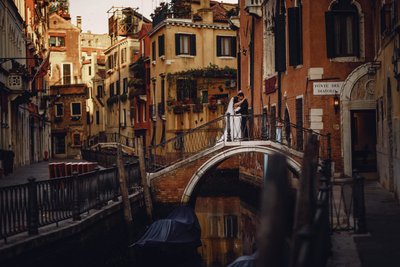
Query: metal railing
[(227, 128), (105, 158), (27, 207), (347, 205), (110, 138)]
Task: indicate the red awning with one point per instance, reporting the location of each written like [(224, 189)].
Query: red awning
[(270, 85)]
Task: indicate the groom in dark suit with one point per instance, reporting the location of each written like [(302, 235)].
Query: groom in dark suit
[(244, 111)]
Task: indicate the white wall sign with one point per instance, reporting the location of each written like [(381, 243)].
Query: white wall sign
[(327, 88)]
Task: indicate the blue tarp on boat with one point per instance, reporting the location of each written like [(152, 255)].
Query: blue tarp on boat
[(245, 261), (181, 227)]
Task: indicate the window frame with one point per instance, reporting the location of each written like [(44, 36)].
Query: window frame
[(190, 44), (64, 78), (183, 93), (72, 109), (59, 41), (73, 139), (222, 41), (336, 33), (56, 114)]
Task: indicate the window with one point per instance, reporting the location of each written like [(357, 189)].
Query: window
[(213, 226), (118, 87), (115, 59), (59, 144), (185, 44), (97, 117), (76, 138), (230, 226), (99, 91), (112, 93), (161, 46), (76, 109), (57, 41), (123, 55), (186, 90), (153, 50), (110, 63), (90, 70), (67, 73), (342, 30), (123, 119), (388, 17), (226, 46), (125, 85), (299, 123), (295, 36), (59, 109)]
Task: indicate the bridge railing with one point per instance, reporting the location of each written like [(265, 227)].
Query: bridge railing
[(29, 206), (110, 138), (228, 128)]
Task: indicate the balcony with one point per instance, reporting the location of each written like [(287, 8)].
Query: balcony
[(253, 7)]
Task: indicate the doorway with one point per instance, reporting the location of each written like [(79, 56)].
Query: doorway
[(363, 140)]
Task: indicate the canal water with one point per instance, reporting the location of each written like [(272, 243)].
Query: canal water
[(226, 207)]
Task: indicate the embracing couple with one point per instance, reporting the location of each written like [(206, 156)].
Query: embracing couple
[(238, 109)]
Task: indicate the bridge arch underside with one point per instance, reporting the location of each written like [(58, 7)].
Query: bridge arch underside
[(189, 192)]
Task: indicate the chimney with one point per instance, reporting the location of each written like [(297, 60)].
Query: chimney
[(204, 3), (79, 22), (205, 11)]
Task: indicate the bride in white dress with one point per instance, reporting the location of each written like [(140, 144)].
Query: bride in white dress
[(235, 122)]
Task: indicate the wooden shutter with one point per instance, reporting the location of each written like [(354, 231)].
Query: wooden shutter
[(177, 44), (233, 46), (295, 36), (153, 50), (219, 38), (280, 43), (330, 34), (192, 44), (161, 46), (299, 124), (356, 35)]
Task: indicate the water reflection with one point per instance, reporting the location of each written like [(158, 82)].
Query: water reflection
[(228, 229)]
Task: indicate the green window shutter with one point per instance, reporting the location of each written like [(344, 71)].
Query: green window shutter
[(192, 44), (330, 34), (295, 38), (161, 46), (233, 46), (219, 46), (177, 44), (280, 43)]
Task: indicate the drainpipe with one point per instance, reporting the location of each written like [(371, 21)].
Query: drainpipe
[(252, 63)]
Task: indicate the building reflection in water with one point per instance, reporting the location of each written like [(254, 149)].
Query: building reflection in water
[(228, 229)]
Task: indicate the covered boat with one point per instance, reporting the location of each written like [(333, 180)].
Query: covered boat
[(245, 261), (172, 241)]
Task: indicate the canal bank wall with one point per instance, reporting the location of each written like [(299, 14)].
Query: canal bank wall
[(99, 239)]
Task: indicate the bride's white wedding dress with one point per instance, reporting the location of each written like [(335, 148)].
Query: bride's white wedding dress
[(235, 123)]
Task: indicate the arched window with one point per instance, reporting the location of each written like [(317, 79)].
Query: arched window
[(342, 30)]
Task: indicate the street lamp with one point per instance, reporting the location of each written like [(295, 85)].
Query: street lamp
[(336, 103)]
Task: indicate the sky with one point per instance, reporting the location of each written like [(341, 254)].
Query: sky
[(94, 12)]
